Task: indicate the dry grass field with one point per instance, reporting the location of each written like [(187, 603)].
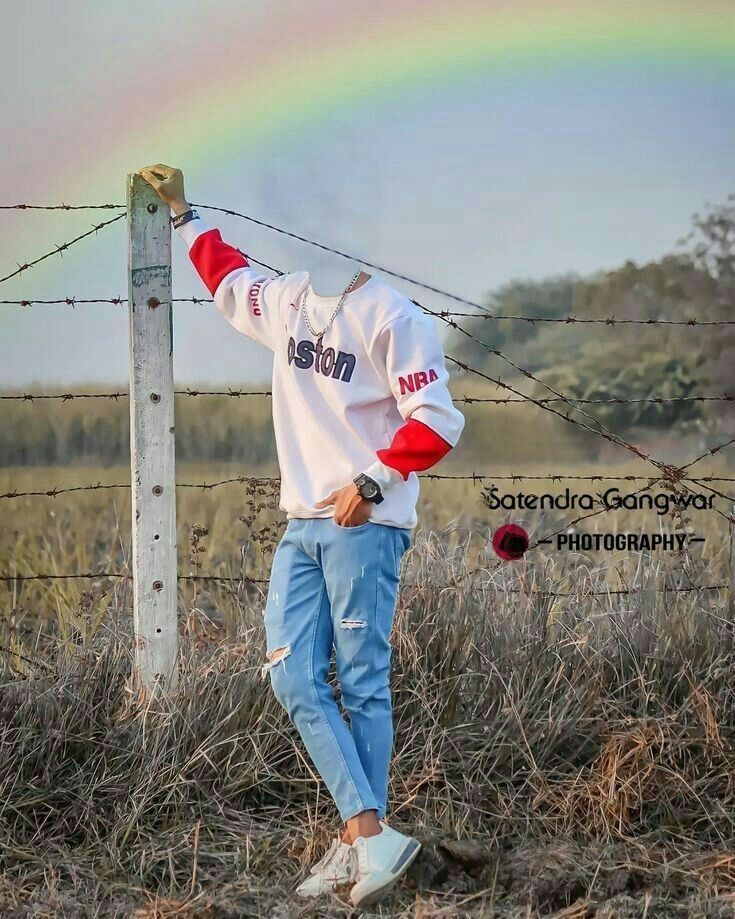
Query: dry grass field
[(561, 749)]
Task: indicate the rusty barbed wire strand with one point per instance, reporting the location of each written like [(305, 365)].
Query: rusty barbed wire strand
[(245, 579), (571, 523), (467, 400), (613, 400), (54, 492), (68, 301), (470, 477), (581, 593), (240, 480), (63, 397), (484, 312), (714, 491), (123, 576), (607, 436), (597, 320), (60, 207), (217, 577), (667, 472), (601, 430), (710, 452), (556, 477), (353, 258), (69, 397), (623, 591), (59, 250), (728, 517), (560, 320)]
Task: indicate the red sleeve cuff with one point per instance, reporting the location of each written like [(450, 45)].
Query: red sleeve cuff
[(415, 447), (214, 259)]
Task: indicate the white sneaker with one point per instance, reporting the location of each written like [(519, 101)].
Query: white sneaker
[(338, 866), (381, 861)]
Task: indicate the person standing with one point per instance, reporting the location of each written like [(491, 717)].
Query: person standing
[(360, 405)]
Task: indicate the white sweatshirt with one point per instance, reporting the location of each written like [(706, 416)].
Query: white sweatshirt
[(372, 399)]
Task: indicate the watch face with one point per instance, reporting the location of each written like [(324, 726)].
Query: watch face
[(368, 490)]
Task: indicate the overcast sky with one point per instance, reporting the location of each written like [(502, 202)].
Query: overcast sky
[(466, 185)]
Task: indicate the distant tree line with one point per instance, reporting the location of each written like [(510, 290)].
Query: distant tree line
[(628, 361)]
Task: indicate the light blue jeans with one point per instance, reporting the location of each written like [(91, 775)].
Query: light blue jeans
[(335, 587)]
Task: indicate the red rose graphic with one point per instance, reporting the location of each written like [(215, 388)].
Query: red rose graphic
[(510, 542)]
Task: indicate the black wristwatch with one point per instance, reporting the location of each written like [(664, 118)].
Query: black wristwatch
[(368, 488)]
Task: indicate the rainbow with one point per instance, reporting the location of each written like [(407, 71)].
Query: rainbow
[(283, 79)]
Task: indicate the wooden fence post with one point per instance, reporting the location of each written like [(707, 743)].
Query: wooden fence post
[(152, 436)]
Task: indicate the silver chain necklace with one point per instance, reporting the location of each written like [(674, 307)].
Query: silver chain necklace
[(342, 299)]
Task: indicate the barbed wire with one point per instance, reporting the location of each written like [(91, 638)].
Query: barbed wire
[(60, 207), (55, 492), (367, 264), (70, 397), (572, 523), (600, 430), (202, 486), (68, 301), (467, 400), (666, 472), (59, 250), (597, 320), (558, 477), (729, 518), (600, 433), (710, 452), (244, 579), (484, 312), (559, 320), (470, 477), (123, 576), (612, 400)]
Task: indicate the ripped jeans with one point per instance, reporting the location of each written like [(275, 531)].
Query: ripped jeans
[(335, 587)]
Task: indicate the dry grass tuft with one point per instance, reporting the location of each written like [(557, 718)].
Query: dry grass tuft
[(558, 756)]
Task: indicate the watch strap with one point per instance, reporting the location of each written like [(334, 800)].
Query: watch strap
[(180, 219), (361, 480)]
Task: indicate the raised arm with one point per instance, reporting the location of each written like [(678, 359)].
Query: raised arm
[(249, 301)]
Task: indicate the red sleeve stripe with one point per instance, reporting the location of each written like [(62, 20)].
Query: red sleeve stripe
[(214, 259), (414, 447)]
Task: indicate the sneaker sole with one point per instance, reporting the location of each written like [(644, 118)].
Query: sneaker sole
[(303, 895), (364, 893)]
